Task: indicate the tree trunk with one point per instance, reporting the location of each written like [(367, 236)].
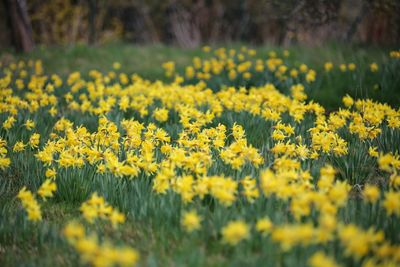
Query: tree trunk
[(354, 25), (92, 21), (21, 27)]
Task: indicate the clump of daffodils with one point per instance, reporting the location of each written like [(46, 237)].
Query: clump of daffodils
[(95, 253), (30, 204), (96, 207), (186, 140), (235, 231), (191, 221), (4, 160), (47, 189)]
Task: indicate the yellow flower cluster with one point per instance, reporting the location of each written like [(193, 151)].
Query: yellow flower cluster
[(96, 207), (395, 54), (391, 163), (238, 65), (319, 259), (189, 141), (194, 150), (191, 221), (30, 204), (95, 253), (239, 151), (264, 226), (357, 242), (47, 189), (235, 231), (4, 160)]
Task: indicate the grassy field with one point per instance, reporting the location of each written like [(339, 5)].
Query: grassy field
[(265, 168)]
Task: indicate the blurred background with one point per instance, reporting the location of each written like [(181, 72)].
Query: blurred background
[(191, 23)]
